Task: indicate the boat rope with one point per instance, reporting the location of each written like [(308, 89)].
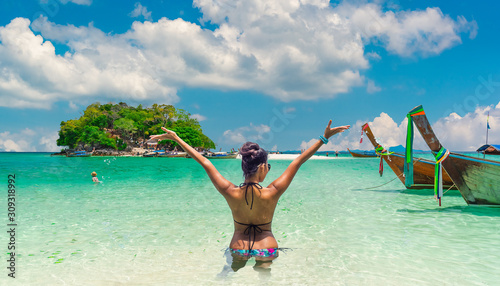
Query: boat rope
[(434, 198), (392, 179), (384, 183)]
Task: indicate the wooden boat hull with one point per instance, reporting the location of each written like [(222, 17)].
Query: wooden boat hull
[(359, 155), (423, 169), (178, 155), (79, 155), (478, 180)]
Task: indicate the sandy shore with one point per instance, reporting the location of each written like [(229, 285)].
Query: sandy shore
[(293, 156)]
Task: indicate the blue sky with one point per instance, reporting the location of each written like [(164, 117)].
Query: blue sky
[(268, 71)]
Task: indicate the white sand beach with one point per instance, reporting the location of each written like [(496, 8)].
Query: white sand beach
[(293, 156)]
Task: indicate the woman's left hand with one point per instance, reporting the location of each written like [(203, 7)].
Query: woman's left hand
[(168, 135), (329, 132)]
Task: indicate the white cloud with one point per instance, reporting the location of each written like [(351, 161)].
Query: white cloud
[(28, 132), (140, 10), (198, 117), (371, 87), (456, 133), (290, 50), (72, 105), (32, 75), (426, 32), (240, 135), (468, 133), (275, 148), (373, 56), (14, 142), (28, 140), (48, 142), (78, 2)]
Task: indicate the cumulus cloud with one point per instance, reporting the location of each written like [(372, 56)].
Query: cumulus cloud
[(371, 87), (405, 33), (33, 75), (468, 133), (28, 140), (198, 117), (48, 142), (78, 2), (72, 105), (373, 56), (455, 132), (290, 50), (240, 135), (140, 10)]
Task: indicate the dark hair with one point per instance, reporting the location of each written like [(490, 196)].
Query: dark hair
[(251, 157)]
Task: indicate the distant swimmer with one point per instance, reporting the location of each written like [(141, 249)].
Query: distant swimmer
[(94, 177)]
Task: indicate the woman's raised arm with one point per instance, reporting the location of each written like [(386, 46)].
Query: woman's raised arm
[(220, 183), (282, 183)]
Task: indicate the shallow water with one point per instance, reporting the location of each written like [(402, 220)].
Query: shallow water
[(158, 221)]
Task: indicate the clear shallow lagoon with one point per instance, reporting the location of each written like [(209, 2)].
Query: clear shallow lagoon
[(160, 221)]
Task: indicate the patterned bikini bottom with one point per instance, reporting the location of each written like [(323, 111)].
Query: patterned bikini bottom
[(268, 252)]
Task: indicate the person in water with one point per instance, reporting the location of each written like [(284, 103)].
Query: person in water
[(251, 204), (94, 177)]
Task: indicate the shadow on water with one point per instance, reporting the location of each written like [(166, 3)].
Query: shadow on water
[(235, 262), (473, 210), (419, 192)]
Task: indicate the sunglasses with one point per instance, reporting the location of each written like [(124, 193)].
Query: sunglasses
[(268, 166)]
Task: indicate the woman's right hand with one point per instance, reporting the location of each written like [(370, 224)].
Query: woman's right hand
[(329, 132)]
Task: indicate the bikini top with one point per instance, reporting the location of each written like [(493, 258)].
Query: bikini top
[(250, 226), (257, 185)]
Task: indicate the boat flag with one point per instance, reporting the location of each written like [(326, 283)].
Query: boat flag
[(362, 130), (488, 121), (438, 174), (379, 151)]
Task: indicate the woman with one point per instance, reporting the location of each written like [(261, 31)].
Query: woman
[(251, 204)]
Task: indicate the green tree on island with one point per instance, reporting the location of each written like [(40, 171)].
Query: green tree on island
[(119, 126)]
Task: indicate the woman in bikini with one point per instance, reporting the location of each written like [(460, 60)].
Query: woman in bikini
[(251, 204)]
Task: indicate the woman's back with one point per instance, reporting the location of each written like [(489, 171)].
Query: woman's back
[(253, 208)]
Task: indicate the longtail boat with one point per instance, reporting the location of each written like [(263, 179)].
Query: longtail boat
[(221, 155), (174, 155), (154, 153), (489, 149), (364, 154), (79, 154), (478, 180), (423, 169)]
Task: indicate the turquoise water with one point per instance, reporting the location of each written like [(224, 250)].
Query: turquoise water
[(157, 221)]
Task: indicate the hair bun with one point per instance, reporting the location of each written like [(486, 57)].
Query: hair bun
[(252, 155), (250, 150)]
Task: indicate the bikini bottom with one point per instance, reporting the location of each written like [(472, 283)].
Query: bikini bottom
[(267, 252)]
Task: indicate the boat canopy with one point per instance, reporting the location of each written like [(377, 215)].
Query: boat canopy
[(486, 146)]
